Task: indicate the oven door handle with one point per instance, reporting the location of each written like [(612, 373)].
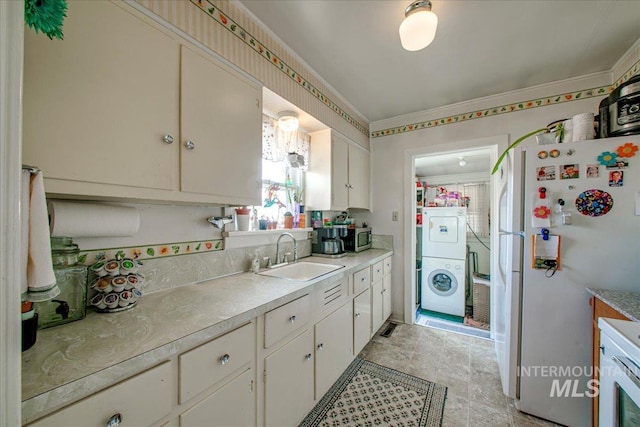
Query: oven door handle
[(628, 371)]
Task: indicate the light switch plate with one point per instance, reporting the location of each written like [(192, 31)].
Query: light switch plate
[(394, 216)]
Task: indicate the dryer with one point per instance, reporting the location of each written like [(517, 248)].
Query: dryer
[(443, 285), (444, 232)]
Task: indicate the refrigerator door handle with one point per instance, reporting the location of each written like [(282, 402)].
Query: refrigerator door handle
[(511, 233)]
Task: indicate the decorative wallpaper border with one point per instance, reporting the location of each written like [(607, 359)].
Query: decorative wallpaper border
[(151, 251), (223, 19), (510, 108), (494, 111)]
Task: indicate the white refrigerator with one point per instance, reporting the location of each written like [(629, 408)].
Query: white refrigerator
[(543, 330)]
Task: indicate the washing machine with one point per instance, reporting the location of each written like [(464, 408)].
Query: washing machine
[(444, 232), (443, 285)]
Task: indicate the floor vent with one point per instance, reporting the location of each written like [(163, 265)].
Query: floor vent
[(389, 330)]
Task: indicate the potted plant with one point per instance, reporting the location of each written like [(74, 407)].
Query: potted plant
[(288, 220)]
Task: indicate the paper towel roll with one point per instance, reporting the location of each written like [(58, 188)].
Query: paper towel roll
[(92, 220)]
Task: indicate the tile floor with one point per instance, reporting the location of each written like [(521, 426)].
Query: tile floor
[(465, 364)]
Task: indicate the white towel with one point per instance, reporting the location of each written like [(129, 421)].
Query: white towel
[(25, 190), (41, 279)]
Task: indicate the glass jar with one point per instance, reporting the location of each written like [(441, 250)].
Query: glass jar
[(64, 252), (71, 278)]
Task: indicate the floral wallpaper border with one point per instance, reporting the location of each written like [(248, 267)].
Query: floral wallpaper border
[(509, 108), (143, 252), (223, 19)]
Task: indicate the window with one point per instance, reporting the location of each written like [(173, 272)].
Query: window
[(282, 174), (474, 195)]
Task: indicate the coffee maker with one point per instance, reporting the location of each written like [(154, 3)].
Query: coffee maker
[(327, 242)]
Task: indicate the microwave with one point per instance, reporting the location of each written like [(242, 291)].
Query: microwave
[(357, 239)]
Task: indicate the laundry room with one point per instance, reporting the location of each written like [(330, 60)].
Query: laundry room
[(453, 253)]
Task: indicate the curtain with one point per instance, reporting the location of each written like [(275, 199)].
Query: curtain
[(276, 144)]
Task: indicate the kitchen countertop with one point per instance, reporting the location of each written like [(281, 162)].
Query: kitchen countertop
[(70, 361), (625, 302)]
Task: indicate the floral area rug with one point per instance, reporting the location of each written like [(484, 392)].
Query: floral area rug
[(368, 394)]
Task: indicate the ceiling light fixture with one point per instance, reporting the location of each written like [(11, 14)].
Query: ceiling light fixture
[(419, 26), (288, 121), (462, 161)]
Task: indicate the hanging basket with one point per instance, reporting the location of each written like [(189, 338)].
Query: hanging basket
[(46, 16)]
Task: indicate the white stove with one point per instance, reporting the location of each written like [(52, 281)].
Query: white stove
[(619, 373)]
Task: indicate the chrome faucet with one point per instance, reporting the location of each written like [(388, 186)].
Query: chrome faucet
[(295, 247)]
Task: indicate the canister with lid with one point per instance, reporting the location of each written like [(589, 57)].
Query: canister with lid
[(71, 278)]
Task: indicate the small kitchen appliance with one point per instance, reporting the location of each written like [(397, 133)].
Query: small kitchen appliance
[(357, 239), (328, 242), (624, 108)]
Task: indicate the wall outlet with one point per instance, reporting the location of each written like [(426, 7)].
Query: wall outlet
[(394, 216)]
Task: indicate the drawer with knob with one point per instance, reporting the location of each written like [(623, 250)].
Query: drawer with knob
[(206, 365), (282, 321), (139, 401), (361, 280)]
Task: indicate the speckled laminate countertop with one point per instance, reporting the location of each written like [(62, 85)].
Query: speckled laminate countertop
[(74, 360), (626, 302)]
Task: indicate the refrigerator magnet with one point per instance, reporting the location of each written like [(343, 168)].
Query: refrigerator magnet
[(616, 178), (570, 171), (593, 171), (594, 202), (546, 173)]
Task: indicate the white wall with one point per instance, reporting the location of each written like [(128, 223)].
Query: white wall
[(389, 154)]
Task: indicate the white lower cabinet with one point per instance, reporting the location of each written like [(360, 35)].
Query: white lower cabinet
[(361, 321), (334, 348), (380, 293), (233, 405), (289, 382), (386, 297), (376, 306), (139, 401)]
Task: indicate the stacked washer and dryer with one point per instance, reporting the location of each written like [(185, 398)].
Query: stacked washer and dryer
[(444, 253)]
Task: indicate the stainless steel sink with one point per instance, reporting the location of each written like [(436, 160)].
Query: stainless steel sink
[(301, 270)]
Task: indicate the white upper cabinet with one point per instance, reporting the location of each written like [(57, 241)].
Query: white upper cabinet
[(338, 175), (122, 108), (98, 103), (359, 162), (221, 134)]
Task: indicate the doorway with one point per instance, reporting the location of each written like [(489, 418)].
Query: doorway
[(452, 272), (443, 174)]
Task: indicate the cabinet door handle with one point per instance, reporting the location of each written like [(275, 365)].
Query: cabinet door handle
[(224, 359), (308, 356), (114, 421), (320, 346), (363, 279), (357, 314), (190, 145), (168, 139), (292, 319)]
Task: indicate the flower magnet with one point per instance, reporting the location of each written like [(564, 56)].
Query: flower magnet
[(541, 212), (607, 158), (627, 150)]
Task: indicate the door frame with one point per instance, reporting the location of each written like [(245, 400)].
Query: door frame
[(495, 144), (11, 60)]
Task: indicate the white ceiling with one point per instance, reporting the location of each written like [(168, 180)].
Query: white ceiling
[(448, 164), (482, 47)]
